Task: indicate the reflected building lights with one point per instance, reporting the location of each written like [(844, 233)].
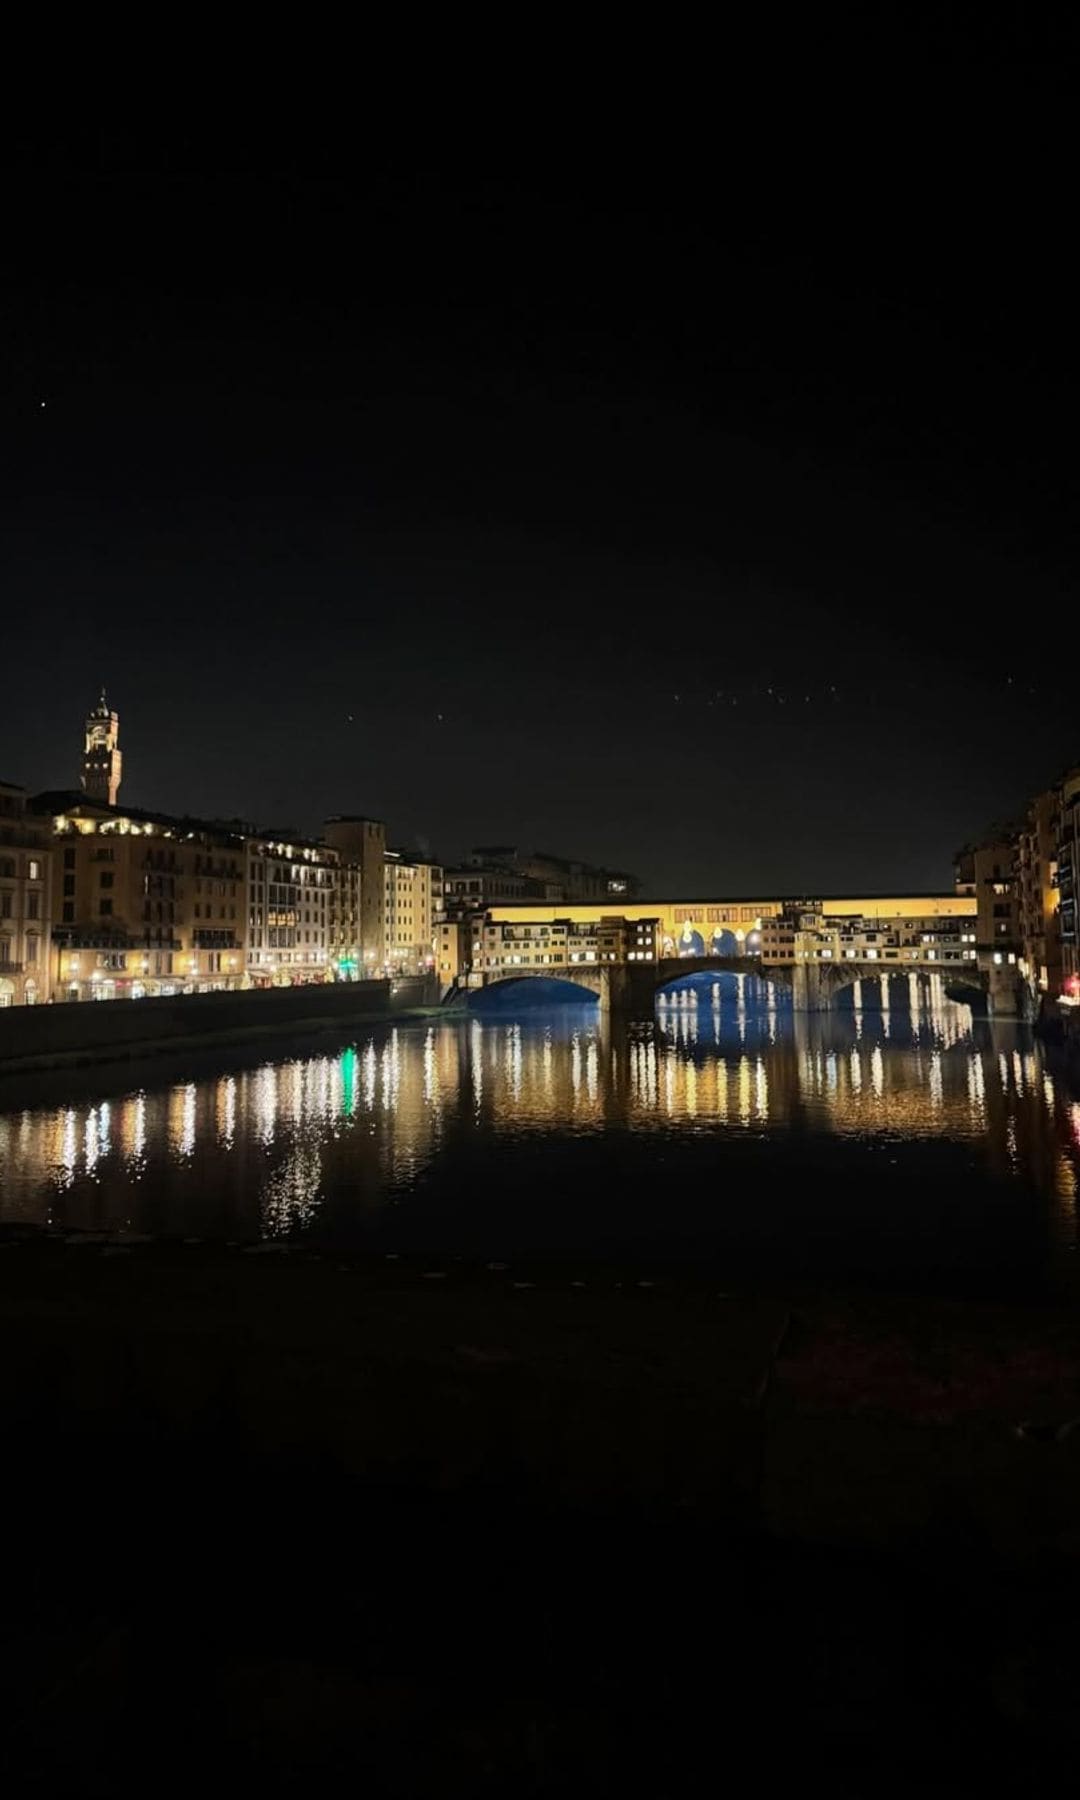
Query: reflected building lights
[(761, 1092), (266, 1105), (226, 1111), (68, 1148), (90, 1142), (187, 1133), (280, 1127), (476, 1062), (744, 1090)]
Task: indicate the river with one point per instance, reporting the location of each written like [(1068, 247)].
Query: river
[(912, 1147)]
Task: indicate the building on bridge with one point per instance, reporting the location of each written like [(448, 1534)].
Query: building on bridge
[(479, 949), (766, 926), (897, 945), (901, 933)]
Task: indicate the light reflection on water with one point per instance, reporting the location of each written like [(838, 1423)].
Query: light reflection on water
[(342, 1144)]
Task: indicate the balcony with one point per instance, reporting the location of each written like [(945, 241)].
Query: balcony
[(11, 968)]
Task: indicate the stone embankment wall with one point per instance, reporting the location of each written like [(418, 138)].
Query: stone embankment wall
[(36, 1035)]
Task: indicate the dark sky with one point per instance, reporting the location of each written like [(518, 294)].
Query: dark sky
[(698, 500)]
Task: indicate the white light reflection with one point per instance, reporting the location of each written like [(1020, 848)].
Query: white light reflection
[(744, 1090), (476, 1062), (937, 1090), (187, 1135), (68, 1150), (976, 1084), (266, 1105), (226, 1111), (90, 1141)]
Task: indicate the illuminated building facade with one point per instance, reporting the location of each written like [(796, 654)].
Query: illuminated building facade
[(360, 844), (1068, 875), (902, 930), (1025, 879), (530, 945), (101, 754), (412, 890), (290, 887), (996, 895), (894, 943), (1035, 872), (343, 927), (145, 903), (743, 927), (26, 869)]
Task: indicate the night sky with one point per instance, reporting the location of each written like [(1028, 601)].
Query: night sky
[(701, 501)]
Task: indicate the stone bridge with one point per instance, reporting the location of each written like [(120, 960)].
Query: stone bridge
[(631, 988)]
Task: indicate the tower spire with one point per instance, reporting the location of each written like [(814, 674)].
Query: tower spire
[(101, 754)]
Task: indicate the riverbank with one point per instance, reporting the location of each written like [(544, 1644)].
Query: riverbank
[(70, 1036), (445, 1527)]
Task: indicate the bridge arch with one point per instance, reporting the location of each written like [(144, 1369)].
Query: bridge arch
[(532, 989)]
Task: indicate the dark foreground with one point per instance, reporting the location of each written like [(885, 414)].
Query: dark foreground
[(410, 1528)]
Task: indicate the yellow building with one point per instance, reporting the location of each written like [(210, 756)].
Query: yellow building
[(146, 904), (746, 927), (412, 898)]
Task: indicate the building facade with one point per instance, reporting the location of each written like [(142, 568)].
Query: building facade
[(360, 844), (501, 947), (145, 903), (292, 902), (897, 944), (1035, 873), (412, 890), (1068, 880), (26, 870)]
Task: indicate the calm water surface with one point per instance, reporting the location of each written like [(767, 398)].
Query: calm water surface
[(911, 1146)]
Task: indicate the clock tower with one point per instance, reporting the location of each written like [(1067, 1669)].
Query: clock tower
[(101, 757)]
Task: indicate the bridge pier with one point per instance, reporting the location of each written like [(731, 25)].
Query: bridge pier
[(808, 991)]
